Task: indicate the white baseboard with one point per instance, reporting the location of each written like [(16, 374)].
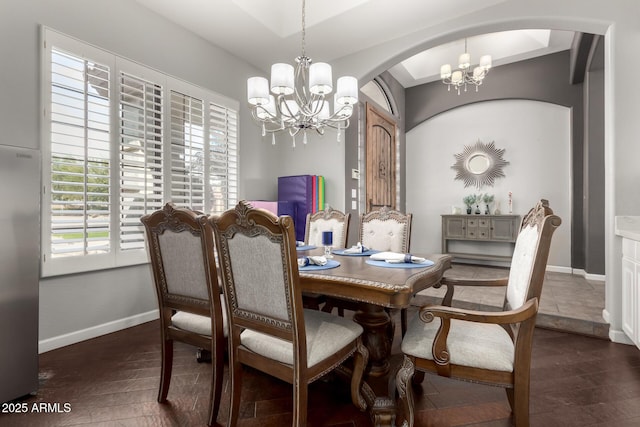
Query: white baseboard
[(577, 272), (559, 269), (589, 276), (619, 337), (96, 331)]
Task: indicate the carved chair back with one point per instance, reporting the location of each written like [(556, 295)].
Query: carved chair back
[(327, 220), (259, 272), (386, 230)]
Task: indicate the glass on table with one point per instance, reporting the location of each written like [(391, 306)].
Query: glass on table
[(327, 242)]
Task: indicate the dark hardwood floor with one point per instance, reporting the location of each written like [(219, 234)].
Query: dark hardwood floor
[(113, 381)]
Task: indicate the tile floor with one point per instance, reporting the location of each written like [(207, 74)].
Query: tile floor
[(568, 303)]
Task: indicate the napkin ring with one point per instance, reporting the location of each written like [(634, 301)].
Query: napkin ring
[(303, 262)]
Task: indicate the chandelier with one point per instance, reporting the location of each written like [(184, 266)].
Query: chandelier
[(463, 76), (299, 98)]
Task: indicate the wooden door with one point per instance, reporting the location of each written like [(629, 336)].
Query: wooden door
[(380, 153)]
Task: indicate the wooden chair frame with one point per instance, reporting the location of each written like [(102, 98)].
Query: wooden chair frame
[(252, 222), (519, 324), (181, 220)]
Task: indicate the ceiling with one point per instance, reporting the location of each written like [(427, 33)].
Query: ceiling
[(266, 31)]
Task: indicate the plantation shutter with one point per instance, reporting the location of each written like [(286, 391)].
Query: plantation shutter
[(223, 154), (187, 151), (119, 140), (79, 156), (141, 179)]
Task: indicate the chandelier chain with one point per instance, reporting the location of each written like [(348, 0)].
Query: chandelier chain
[(303, 28)]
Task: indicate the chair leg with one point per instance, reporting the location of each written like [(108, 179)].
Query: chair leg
[(328, 306), (300, 398), (216, 384), (510, 398), (203, 356), (235, 371), (361, 358), (520, 405), (165, 369), (418, 377), (405, 393), (403, 320)]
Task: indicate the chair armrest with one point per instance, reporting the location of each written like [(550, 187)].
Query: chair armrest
[(527, 310), (440, 350)]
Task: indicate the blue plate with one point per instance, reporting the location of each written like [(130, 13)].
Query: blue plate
[(305, 248), (365, 253), (312, 267), (385, 264)]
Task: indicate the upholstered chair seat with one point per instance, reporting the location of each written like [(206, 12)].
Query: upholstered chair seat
[(326, 335), (477, 345), (197, 323)]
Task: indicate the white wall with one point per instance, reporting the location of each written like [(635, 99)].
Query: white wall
[(536, 137)]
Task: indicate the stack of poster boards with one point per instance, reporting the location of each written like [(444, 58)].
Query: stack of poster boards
[(299, 195)]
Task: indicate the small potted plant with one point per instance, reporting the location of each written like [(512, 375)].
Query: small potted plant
[(487, 198), (469, 201)]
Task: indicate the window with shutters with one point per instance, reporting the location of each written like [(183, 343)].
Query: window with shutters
[(119, 141)]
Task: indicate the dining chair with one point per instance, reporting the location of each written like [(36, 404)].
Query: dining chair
[(386, 229), (484, 347), (180, 245), (269, 329), (327, 220)]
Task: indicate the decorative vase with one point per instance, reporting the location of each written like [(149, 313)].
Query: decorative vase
[(477, 210), (486, 210), (468, 210)]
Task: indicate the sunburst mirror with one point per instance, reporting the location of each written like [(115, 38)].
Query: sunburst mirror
[(480, 164)]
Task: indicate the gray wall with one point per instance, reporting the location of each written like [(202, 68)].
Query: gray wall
[(593, 195), (541, 79), (79, 306)]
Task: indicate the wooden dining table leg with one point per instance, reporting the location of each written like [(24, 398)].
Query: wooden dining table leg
[(377, 337)]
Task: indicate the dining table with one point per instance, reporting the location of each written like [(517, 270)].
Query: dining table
[(374, 288)]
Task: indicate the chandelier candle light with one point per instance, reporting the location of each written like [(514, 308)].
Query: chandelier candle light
[(463, 76), (299, 98)]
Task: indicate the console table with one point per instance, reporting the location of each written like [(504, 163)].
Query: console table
[(480, 228)]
